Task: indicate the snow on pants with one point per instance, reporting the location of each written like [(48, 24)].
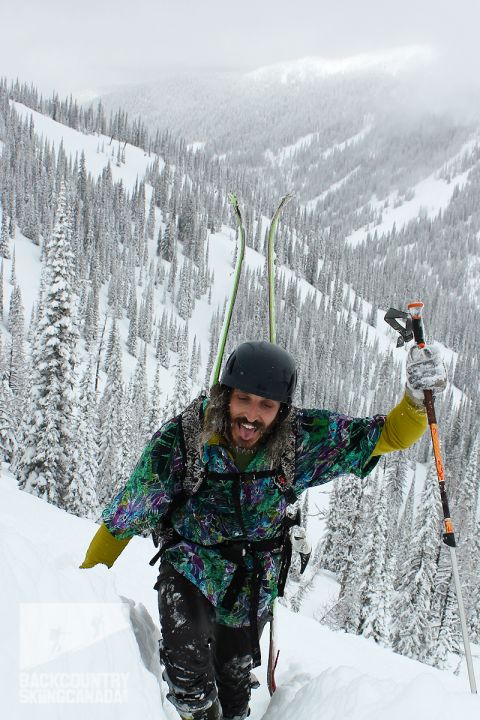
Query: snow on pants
[(201, 657)]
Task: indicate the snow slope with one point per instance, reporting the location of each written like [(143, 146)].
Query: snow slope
[(430, 196), (99, 149), (82, 640)]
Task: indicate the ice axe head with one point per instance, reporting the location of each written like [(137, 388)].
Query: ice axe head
[(392, 317)]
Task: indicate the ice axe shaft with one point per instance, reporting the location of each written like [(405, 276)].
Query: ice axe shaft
[(416, 313)]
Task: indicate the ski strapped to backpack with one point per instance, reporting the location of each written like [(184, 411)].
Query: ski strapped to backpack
[(233, 200), (194, 473), (273, 652), (272, 231)]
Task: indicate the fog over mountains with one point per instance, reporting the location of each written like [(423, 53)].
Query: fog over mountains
[(243, 118)]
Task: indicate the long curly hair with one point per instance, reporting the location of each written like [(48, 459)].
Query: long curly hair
[(217, 421)]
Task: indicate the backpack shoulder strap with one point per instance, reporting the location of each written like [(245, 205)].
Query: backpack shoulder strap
[(287, 460), (191, 425), (191, 475)]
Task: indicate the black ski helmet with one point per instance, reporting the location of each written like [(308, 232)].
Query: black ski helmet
[(261, 368)]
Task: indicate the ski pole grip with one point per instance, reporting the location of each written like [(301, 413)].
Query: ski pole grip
[(415, 309)]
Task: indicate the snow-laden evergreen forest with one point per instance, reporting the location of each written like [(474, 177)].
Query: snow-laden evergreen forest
[(117, 246)]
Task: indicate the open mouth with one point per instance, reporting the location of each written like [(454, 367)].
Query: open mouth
[(248, 431)]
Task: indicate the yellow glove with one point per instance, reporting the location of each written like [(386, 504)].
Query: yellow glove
[(104, 548), (404, 425)]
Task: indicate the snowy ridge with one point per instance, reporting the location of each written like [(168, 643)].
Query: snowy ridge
[(390, 62)]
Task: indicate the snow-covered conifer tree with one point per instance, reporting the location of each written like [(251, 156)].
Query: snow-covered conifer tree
[(140, 406), (90, 328), (110, 424), (467, 493), (184, 300), (343, 515), (377, 571), (129, 454), (4, 237), (182, 389), (132, 330), (150, 226), (7, 403), (13, 273), (404, 535), (473, 585), (413, 632), (145, 323), (162, 342), (17, 360), (81, 496), (155, 416), (194, 360), (45, 464), (447, 639), (168, 240), (1, 290), (173, 272)]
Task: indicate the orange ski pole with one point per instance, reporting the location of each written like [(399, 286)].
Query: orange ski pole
[(416, 310)]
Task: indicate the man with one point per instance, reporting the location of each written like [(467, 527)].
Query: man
[(218, 478)]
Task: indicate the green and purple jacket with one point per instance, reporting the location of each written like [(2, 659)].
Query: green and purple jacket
[(327, 444)]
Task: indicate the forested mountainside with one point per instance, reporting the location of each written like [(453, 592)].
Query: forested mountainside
[(129, 270)]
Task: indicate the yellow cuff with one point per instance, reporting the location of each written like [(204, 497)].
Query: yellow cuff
[(404, 425), (104, 548)]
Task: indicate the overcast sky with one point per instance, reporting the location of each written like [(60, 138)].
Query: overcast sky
[(89, 44)]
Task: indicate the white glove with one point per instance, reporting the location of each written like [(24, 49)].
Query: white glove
[(425, 371)]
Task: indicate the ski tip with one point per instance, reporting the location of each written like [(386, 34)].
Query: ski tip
[(287, 197), (284, 200)]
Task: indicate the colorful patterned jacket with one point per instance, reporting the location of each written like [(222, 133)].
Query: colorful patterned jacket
[(327, 444)]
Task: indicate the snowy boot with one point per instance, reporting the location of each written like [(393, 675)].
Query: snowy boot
[(214, 712), (238, 717)]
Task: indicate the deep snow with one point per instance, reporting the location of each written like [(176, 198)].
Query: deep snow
[(73, 633)]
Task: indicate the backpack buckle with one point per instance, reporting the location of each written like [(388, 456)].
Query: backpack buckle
[(281, 482)]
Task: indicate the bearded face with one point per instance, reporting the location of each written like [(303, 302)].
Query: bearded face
[(250, 417)]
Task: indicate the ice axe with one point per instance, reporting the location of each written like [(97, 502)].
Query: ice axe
[(414, 329)]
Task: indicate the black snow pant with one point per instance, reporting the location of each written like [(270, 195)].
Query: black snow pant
[(202, 658)]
